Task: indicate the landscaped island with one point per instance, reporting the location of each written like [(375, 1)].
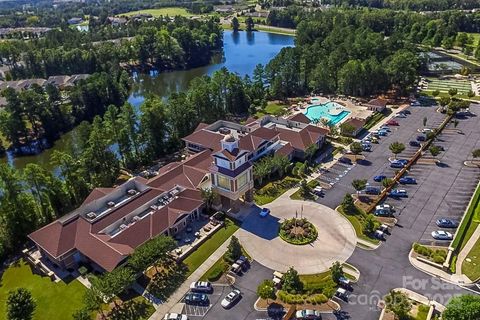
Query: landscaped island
[(298, 231)]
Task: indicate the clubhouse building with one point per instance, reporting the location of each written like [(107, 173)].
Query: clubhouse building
[(112, 222)]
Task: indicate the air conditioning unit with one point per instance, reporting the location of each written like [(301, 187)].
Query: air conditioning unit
[(136, 218), (91, 215), (132, 192), (123, 226), (154, 207), (110, 204)]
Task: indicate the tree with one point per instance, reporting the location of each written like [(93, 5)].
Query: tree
[(291, 282), (209, 197), (471, 94), (249, 25), (347, 129), (370, 224), (356, 148), (266, 290), (234, 250), (399, 304), (387, 182), (452, 92), (359, 184), (337, 271), (444, 101), (476, 153), (305, 189), (464, 307), (152, 252), (396, 148), (435, 93), (235, 24), (424, 121), (348, 204), (311, 151), (20, 305), (434, 151)]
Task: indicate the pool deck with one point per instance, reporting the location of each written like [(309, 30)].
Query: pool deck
[(356, 110)]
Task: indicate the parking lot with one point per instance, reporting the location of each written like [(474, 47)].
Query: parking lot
[(442, 190)]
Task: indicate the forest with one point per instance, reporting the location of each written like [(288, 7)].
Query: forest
[(161, 44)]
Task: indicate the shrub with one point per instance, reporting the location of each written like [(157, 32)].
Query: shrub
[(319, 298), (438, 259)]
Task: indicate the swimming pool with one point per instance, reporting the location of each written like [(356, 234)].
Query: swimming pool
[(331, 111)]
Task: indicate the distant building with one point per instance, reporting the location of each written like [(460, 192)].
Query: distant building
[(73, 21), (117, 21), (355, 123), (377, 105)]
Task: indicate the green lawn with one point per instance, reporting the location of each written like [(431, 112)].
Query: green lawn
[(168, 11), (376, 118), (472, 269), (273, 109), (356, 221), (54, 300), (297, 195), (469, 223), (445, 94), (194, 260)]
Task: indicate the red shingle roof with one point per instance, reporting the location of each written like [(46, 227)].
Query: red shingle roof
[(300, 117), (355, 122), (205, 138), (302, 139)]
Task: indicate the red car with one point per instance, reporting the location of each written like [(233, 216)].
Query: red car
[(392, 123)]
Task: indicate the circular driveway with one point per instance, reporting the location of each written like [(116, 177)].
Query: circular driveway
[(336, 237)]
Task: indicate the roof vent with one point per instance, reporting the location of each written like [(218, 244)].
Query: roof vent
[(154, 207), (136, 218), (132, 192), (123, 226), (91, 215), (110, 204)]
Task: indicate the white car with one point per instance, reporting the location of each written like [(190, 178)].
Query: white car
[(231, 298), (442, 235), (426, 130), (307, 314), (201, 286), (384, 206), (175, 316)]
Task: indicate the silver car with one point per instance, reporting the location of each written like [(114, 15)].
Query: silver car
[(231, 298), (442, 235), (175, 316), (307, 314)]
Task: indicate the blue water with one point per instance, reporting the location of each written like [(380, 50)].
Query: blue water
[(320, 111)]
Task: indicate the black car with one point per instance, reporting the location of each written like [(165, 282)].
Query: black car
[(198, 299), (372, 190), (414, 143), (446, 223), (421, 138), (406, 111)]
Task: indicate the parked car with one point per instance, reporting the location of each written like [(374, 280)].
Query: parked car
[(264, 212), (307, 314), (342, 294), (442, 235), (401, 115), (198, 299), (426, 130), (403, 161), (345, 160), (175, 316), (380, 235), (385, 128), (372, 190), (382, 133), (421, 138), (407, 180), (446, 223), (318, 190), (231, 298), (344, 282), (384, 228), (414, 143), (385, 206), (379, 178), (382, 213), (392, 122), (441, 148), (366, 147), (406, 111), (201, 286), (397, 164), (398, 193)]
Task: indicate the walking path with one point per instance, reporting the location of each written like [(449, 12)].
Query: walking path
[(165, 307), (466, 250)]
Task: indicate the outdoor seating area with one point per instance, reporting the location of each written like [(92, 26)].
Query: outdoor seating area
[(194, 235)]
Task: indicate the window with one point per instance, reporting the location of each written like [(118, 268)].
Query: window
[(242, 180), (223, 182)]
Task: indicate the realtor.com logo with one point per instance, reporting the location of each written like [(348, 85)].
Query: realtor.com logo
[(433, 289)]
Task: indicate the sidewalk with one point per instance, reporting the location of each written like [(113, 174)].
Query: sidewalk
[(465, 251), (165, 307)]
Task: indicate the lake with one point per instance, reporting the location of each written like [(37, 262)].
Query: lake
[(242, 52)]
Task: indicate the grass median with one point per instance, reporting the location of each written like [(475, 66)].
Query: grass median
[(199, 256)]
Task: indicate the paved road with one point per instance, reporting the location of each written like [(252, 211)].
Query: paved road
[(443, 190)]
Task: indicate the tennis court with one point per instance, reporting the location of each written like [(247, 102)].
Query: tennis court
[(463, 86)]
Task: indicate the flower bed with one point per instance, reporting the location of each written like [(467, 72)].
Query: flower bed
[(298, 231)]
